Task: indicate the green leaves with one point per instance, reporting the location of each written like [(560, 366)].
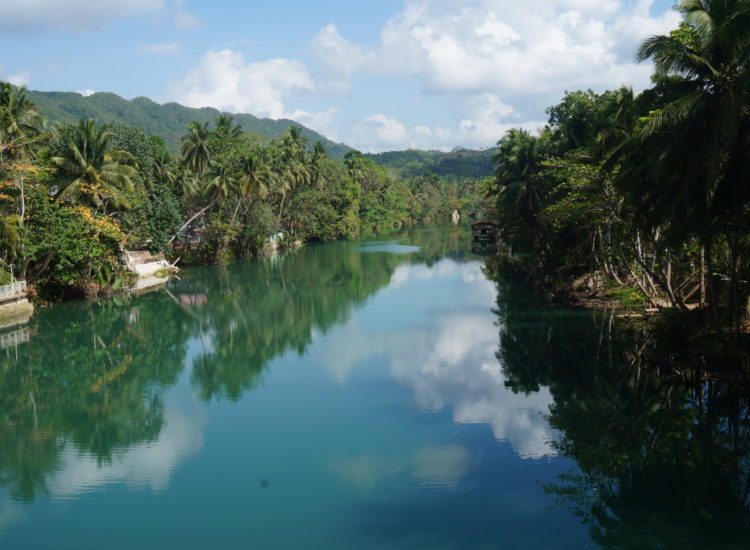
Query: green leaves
[(21, 126), (194, 147), (89, 169)]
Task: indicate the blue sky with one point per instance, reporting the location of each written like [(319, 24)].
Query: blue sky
[(379, 75)]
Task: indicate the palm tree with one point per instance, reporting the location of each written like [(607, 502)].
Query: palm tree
[(20, 124), (318, 155), (290, 167), (618, 121), (254, 176), (224, 127), (518, 184), (164, 170), (90, 168), (222, 182), (355, 166), (194, 147), (696, 134), (281, 188), (689, 167), (293, 144), (319, 152)]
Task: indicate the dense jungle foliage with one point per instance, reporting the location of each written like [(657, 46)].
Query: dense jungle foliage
[(75, 195), (649, 192)]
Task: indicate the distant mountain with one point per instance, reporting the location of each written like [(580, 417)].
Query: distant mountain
[(468, 163), (168, 120)]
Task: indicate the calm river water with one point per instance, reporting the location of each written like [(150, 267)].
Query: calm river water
[(391, 394)]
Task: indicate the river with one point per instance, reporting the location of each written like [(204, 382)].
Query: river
[(354, 395)]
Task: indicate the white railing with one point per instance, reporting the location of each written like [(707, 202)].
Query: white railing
[(12, 339), (12, 290)]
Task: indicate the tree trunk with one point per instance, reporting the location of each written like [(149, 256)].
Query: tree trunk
[(200, 213), (711, 298), (639, 283), (703, 277), (734, 288), (24, 268), (281, 207), (234, 214)]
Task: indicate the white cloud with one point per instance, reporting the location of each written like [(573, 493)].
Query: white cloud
[(378, 132), (222, 79), (491, 60), (494, 65), (320, 121), (485, 120), (338, 60), (167, 49), (182, 19), (85, 15), (70, 15), (525, 47), (86, 93), (19, 79)]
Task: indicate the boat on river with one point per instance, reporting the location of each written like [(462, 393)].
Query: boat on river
[(484, 231), (484, 248)]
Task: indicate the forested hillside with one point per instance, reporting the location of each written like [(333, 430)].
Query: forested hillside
[(463, 163), (167, 121)]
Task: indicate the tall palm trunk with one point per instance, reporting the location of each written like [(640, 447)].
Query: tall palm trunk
[(734, 290), (281, 206), (200, 213), (711, 298)]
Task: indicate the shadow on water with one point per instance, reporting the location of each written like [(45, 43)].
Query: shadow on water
[(484, 248), (662, 452)]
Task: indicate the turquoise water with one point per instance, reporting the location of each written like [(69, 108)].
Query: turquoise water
[(354, 395)]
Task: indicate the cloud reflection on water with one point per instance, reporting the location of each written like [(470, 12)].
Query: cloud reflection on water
[(144, 465), (448, 360), (433, 466)]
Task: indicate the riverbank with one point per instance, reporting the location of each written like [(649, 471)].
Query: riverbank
[(681, 340)]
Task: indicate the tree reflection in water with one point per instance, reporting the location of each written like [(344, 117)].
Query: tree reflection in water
[(93, 375), (94, 380), (663, 450)]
